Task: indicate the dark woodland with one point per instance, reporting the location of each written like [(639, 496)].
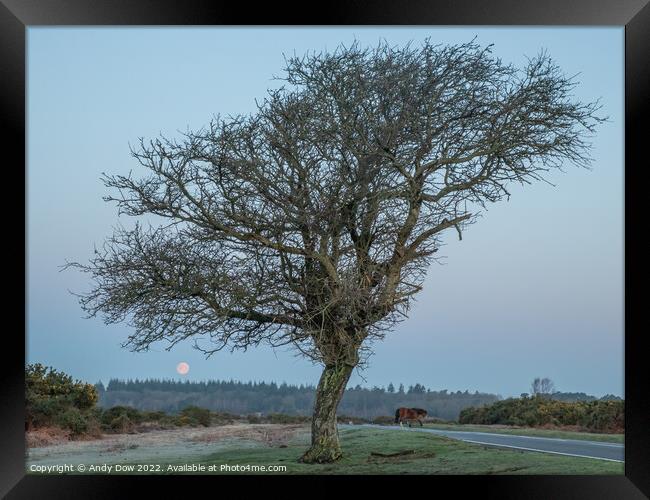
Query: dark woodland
[(243, 398)]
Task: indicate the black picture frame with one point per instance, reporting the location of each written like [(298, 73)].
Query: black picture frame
[(17, 15)]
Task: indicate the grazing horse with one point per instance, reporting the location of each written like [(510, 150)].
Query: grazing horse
[(409, 414)]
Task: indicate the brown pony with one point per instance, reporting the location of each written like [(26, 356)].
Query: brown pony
[(409, 414)]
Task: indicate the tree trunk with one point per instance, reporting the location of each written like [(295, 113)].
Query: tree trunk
[(325, 445)]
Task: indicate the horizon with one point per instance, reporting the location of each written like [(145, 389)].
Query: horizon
[(535, 288), (184, 379)]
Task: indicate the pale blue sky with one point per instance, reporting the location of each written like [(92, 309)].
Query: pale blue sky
[(534, 289)]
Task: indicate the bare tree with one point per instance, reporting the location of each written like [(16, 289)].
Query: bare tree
[(311, 222), (542, 387)]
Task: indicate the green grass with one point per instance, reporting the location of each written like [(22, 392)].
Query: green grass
[(432, 455), (524, 431)]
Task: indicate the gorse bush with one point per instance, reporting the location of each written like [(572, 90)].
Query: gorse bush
[(223, 418), (253, 419), (54, 398), (281, 418), (196, 416), (603, 415), (73, 419), (132, 414), (599, 415), (153, 416), (122, 419)]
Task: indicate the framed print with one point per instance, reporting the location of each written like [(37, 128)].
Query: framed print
[(386, 241)]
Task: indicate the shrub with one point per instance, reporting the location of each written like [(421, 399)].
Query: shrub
[(197, 416), (109, 415), (153, 416), (281, 418), (41, 412), (54, 398), (169, 421), (121, 424), (253, 419), (599, 415), (73, 419), (223, 418), (183, 420)]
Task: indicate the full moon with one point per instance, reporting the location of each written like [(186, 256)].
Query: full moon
[(183, 368)]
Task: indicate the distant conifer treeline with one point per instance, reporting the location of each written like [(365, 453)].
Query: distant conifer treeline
[(268, 397), (573, 397), (252, 397)]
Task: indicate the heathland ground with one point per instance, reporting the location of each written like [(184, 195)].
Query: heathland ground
[(366, 451)]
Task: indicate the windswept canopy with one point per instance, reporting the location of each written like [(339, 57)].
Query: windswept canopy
[(311, 222)]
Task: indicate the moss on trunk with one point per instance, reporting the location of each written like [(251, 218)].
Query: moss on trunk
[(325, 446)]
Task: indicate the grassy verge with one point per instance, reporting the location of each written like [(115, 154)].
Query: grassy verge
[(427, 454), (525, 431)]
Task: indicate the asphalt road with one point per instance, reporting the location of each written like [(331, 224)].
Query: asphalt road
[(572, 447)]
